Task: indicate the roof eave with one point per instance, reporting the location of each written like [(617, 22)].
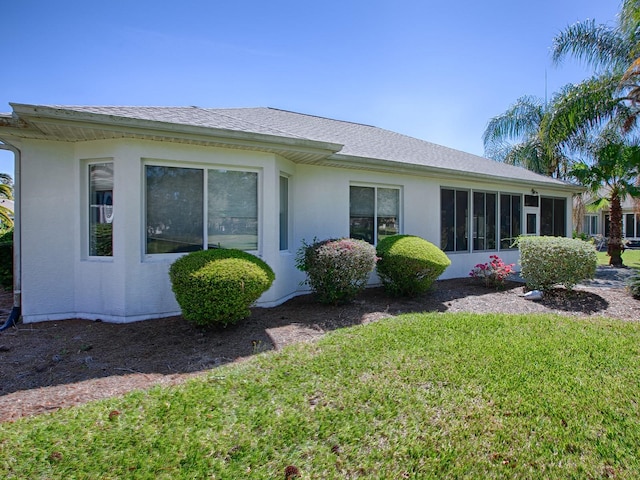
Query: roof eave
[(42, 116)]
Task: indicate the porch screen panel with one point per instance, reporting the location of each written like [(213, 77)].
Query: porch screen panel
[(462, 220), (174, 215), (232, 209), (484, 221), (510, 219), (553, 217), (101, 209), (492, 228), (388, 205), (362, 213)]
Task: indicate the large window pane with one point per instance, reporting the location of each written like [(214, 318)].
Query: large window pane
[(388, 212), (361, 213), (101, 209), (233, 209), (174, 209)]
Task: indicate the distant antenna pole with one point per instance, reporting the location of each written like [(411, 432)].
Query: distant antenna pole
[(545, 88)]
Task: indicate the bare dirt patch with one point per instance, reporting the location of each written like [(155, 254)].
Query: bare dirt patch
[(51, 365)]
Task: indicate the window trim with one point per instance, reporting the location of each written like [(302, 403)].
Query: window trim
[(287, 177), (153, 162), (85, 220)]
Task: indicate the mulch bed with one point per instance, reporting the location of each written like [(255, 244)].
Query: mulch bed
[(51, 365)]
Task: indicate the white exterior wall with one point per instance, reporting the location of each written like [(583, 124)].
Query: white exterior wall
[(61, 281)]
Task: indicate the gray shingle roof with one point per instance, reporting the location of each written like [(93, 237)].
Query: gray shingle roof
[(358, 140)]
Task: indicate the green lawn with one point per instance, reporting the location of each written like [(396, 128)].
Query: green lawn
[(417, 396), (631, 258)]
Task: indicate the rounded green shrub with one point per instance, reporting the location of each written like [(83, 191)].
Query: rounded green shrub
[(218, 286), (549, 261), (337, 269), (408, 265)]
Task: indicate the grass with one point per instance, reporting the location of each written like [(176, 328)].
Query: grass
[(416, 396), (630, 258)]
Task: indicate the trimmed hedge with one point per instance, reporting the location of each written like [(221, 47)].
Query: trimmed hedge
[(549, 261), (337, 269), (218, 286), (408, 265)]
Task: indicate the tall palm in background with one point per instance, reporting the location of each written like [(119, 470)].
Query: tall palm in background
[(614, 53), (542, 136), (6, 192), (610, 178), (517, 137), (608, 102)]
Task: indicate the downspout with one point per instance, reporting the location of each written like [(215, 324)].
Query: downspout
[(14, 316)]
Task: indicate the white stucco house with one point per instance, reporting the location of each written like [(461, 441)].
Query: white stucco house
[(108, 197)]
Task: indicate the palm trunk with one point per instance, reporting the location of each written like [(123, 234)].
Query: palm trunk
[(615, 247)]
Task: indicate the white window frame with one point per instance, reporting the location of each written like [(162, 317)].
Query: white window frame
[(205, 168), (85, 220), (375, 187)]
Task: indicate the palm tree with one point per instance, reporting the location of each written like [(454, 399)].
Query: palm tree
[(6, 192), (610, 178), (519, 137), (614, 52)]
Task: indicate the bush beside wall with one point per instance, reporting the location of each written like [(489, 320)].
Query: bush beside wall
[(408, 265), (549, 261), (337, 269), (218, 286)]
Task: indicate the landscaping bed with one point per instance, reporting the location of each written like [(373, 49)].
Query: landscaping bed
[(50, 365)]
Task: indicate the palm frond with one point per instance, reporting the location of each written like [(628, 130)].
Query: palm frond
[(599, 46), (577, 109), (6, 216)]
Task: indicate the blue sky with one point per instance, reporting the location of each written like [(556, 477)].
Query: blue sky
[(433, 70)]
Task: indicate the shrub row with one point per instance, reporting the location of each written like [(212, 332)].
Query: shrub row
[(338, 269), (219, 285)]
